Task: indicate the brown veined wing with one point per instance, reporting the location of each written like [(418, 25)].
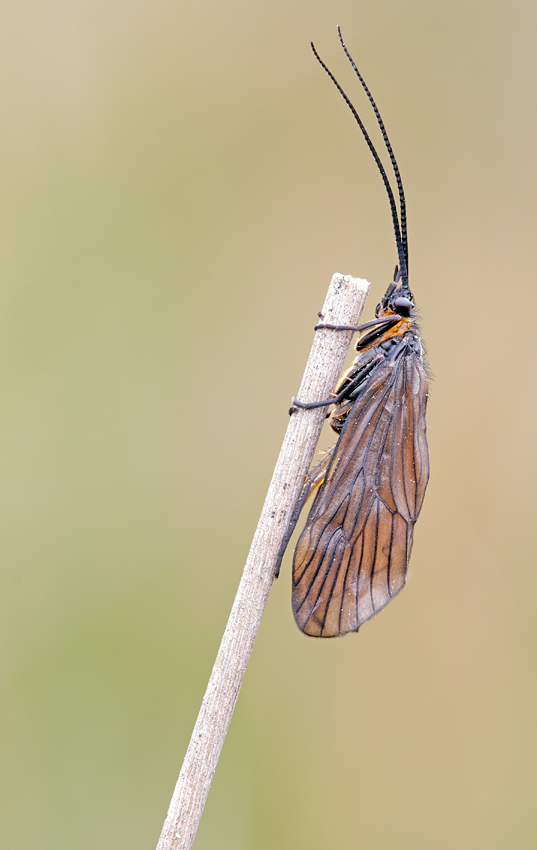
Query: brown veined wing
[(352, 556)]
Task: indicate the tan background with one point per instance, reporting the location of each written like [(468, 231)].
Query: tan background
[(179, 183)]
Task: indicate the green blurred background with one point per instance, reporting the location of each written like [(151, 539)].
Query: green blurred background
[(179, 183)]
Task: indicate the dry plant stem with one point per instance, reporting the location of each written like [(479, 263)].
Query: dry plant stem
[(344, 303)]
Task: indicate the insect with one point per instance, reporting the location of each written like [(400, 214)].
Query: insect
[(352, 557)]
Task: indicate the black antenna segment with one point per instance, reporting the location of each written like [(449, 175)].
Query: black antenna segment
[(400, 230)]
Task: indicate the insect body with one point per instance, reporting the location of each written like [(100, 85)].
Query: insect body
[(352, 556)]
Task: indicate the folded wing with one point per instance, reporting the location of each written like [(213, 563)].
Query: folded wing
[(352, 556)]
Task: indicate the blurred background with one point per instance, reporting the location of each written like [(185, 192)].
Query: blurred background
[(179, 183)]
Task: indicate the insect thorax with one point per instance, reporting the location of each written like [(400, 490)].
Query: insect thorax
[(402, 340)]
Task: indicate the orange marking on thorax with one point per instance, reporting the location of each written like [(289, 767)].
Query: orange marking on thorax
[(402, 327)]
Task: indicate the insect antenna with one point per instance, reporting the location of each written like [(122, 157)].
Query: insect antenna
[(402, 202), (400, 230)]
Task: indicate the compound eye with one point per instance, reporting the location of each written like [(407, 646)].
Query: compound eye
[(403, 305)]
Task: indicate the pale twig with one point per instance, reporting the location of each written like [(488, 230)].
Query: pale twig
[(343, 306)]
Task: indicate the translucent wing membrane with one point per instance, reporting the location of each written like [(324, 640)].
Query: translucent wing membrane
[(352, 556)]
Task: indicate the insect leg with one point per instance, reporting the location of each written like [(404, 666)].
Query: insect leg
[(352, 385), (336, 327), (312, 482), (383, 325)]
